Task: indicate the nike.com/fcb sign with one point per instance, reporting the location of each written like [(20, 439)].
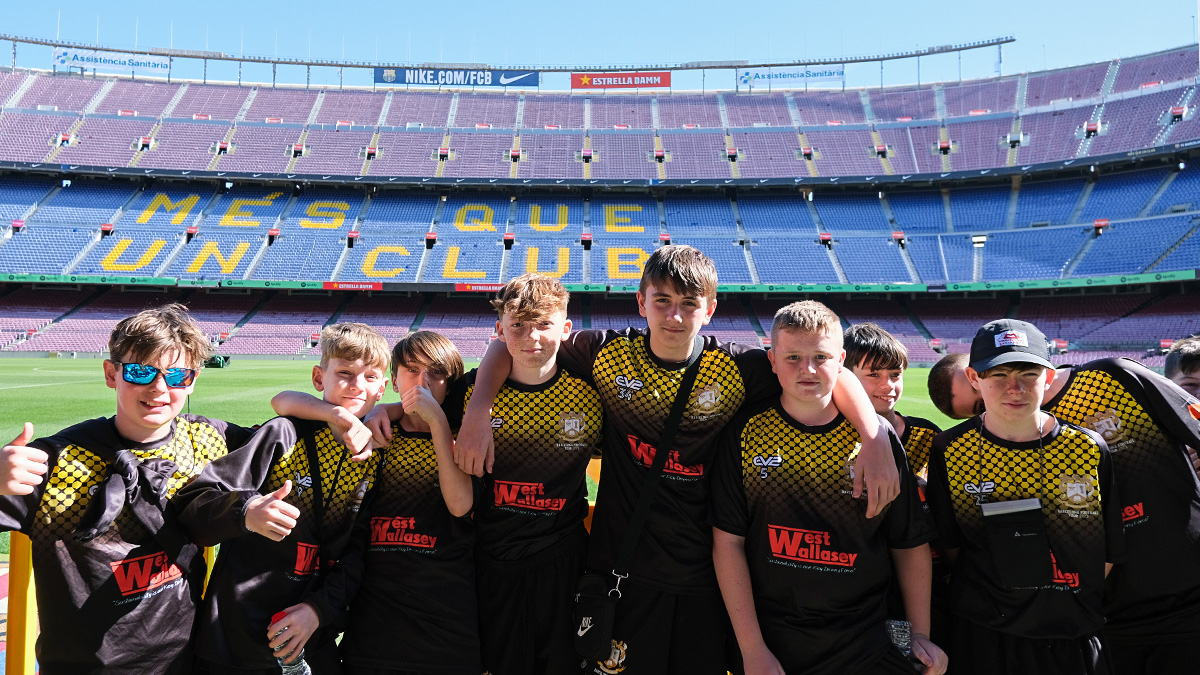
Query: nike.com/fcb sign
[(436, 77)]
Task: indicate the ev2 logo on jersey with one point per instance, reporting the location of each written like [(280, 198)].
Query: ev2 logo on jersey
[(764, 462), (626, 386), (980, 492)]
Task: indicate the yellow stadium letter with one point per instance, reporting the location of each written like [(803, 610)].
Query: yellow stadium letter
[(161, 201), (227, 265), (477, 225), (612, 222), (564, 262), (230, 219), (615, 263), (368, 266), (110, 261), (334, 210), (535, 219), (451, 271)]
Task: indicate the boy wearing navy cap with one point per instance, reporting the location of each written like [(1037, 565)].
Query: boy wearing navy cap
[(1026, 508)]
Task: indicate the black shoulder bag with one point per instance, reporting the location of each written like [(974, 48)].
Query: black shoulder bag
[(595, 603)]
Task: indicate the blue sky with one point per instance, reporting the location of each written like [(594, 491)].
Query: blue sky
[(1048, 34)]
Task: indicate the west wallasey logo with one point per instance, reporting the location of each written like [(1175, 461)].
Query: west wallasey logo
[(526, 495), (307, 559), (144, 573), (808, 546), (644, 454), (401, 531)]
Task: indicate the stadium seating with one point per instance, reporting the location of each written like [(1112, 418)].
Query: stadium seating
[(565, 112)]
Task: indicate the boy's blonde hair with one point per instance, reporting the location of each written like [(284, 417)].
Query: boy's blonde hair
[(808, 316), (682, 269), (1184, 357), (353, 341), (155, 332), (531, 296), (428, 347)]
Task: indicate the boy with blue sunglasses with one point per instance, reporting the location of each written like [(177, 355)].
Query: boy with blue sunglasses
[(118, 580)]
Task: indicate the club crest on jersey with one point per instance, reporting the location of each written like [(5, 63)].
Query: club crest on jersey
[(626, 386), (616, 660), (497, 422), (1077, 490), (981, 491), (1108, 425), (571, 425), (707, 398), (144, 573), (764, 462), (360, 493)]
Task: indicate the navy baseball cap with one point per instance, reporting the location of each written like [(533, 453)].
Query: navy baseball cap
[(1008, 341)]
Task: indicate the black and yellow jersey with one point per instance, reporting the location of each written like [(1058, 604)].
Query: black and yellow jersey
[(637, 389), (918, 439), (255, 577), (409, 573), (1069, 470), (544, 436), (1147, 422), (819, 569), (122, 602)]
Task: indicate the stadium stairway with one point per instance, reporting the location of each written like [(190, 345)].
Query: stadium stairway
[(1011, 158), (241, 114), (1088, 243), (916, 320), (426, 301), (1022, 92), (20, 91), (86, 301), (92, 105), (171, 105), (383, 112), (1081, 203), (939, 102), (212, 165), (137, 156), (366, 166), (1158, 193), (53, 154), (1185, 237), (946, 209), (1011, 219), (868, 111)]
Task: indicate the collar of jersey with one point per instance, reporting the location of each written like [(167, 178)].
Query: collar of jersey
[(806, 428), (148, 445), (534, 388), (697, 352), (1046, 440)]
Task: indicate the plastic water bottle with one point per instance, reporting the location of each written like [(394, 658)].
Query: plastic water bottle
[(297, 667)]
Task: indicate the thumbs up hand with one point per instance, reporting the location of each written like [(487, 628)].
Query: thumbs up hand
[(270, 516), (22, 468)]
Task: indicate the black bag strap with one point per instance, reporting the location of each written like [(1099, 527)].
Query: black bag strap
[(663, 448), (309, 435)]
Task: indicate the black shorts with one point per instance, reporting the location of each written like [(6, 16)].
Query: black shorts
[(1134, 657), (662, 633), (525, 610), (982, 651), (891, 662)]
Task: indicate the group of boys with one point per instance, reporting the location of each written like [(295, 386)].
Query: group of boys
[(789, 531)]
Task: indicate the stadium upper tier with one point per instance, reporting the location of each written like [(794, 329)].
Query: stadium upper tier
[(1086, 111)]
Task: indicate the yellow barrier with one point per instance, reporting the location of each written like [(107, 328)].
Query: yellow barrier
[(22, 609)]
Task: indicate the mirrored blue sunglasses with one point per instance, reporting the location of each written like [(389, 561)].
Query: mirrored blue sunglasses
[(140, 373)]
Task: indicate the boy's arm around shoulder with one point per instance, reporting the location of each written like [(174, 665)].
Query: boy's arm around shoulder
[(212, 507)]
